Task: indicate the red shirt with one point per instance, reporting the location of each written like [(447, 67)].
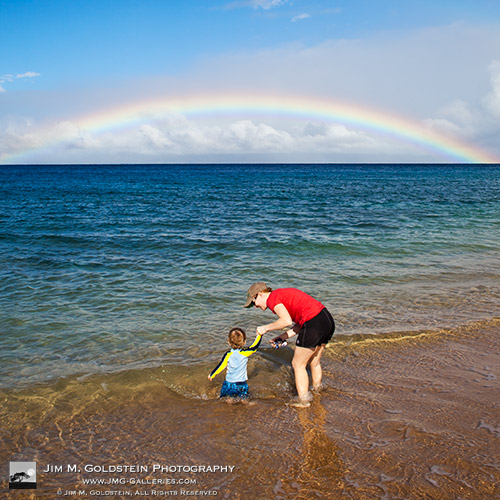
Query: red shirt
[(300, 306)]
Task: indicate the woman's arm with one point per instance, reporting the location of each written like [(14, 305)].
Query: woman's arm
[(293, 331), (284, 320), (289, 333)]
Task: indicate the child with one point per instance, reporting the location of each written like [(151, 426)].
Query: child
[(235, 386)]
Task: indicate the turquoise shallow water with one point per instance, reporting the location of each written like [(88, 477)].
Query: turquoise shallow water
[(106, 268)]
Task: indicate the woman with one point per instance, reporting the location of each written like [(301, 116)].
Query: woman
[(313, 324)]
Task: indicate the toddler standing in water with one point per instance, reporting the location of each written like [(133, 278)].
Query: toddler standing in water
[(235, 386)]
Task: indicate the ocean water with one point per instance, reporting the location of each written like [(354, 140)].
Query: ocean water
[(118, 285), (111, 269)]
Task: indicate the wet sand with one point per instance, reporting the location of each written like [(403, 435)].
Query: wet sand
[(403, 417)]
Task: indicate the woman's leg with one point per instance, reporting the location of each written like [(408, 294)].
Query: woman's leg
[(301, 358), (316, 371)]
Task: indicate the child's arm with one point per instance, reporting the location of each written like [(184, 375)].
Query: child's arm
[(220, 366), (248, 351)]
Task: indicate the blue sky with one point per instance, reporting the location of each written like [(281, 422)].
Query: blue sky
[(435, 62)]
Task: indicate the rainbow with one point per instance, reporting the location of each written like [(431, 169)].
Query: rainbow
[(351, 115)]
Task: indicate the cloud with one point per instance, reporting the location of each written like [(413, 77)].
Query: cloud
[(300, 17), (476, 122), (412, 74), (11, 78), (492, 100), (257, 4), (267, 4), (29, 74), (3, 79), (457, 119), (176, 137)]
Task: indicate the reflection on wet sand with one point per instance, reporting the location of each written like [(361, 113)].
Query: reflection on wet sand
[(318, 471)]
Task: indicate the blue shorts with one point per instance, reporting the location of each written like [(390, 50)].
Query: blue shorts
[(234, 390)]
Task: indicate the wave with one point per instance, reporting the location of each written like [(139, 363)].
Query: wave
[(365, 339)]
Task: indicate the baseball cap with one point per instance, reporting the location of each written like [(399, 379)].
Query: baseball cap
[(254, 289)]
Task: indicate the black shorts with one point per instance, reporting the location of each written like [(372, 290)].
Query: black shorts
[(318, 330)]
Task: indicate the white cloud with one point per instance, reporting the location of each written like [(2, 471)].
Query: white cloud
[(256, 4), (267, 4), (4, 79), (300, 17), (245, 135), (478, 121), (28, 74), (492, 100), (17, 136), (457, 119), (11, 78), (412, 74), (176, 137)]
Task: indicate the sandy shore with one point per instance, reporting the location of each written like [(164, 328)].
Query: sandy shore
[(400, 418)]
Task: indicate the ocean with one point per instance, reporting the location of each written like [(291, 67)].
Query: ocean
[(119, 283)]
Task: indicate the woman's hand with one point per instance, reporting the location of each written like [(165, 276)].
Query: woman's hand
[(261, 330), (280, 341)]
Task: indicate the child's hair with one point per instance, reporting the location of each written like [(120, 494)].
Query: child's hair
[(237, 338)]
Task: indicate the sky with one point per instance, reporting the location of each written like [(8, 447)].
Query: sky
[(162, 81)]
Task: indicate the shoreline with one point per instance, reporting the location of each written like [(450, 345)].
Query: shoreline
[(188, 368), (414, 418)]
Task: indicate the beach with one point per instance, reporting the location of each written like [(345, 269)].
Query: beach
[(413, 417)]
